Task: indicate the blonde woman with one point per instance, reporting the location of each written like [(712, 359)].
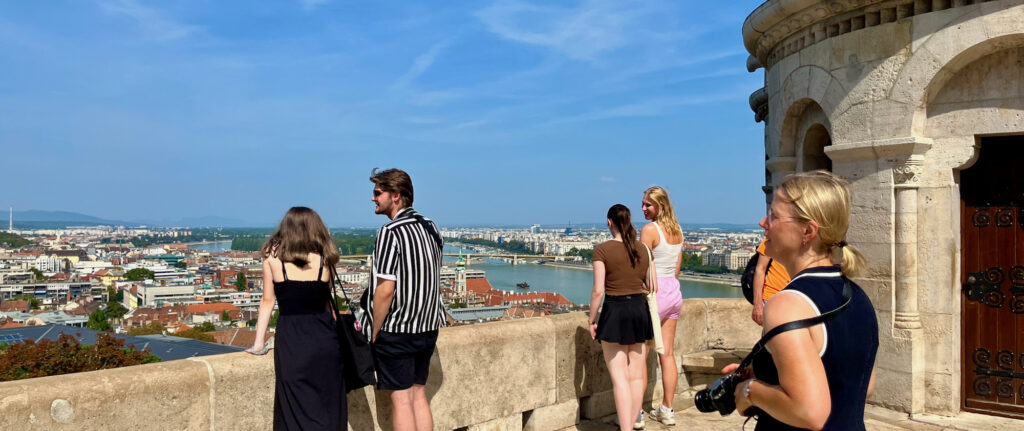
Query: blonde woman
[(817, 377), (665, 239)]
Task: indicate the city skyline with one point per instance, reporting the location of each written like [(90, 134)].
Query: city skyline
[(503, 112)]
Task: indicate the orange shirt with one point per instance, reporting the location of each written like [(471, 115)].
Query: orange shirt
[(776, 279)]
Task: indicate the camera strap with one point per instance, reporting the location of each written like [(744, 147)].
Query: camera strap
[(800, 324)]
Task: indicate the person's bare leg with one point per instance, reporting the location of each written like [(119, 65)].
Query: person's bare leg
[(402, 414), (669, 369), (421, 408), (617, 360), (644, 351), (637, 382)]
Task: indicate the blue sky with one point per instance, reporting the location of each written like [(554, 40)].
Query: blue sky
[(503, 112)]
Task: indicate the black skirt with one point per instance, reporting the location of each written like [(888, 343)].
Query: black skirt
[(625, 320)]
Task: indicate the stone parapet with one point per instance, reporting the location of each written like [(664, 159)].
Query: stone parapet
[(536, 374)]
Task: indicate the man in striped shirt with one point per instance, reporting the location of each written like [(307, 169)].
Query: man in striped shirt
[(403, 308)]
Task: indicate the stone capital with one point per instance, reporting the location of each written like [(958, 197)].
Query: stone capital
[(907, 173), (780, 164), (888, 149)]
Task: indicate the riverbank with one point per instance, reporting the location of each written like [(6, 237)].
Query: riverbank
[(715, 278)]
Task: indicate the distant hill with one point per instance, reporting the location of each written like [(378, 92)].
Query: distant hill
[(36, 219)]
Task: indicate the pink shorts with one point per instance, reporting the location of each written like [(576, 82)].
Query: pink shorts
[(670, 300)]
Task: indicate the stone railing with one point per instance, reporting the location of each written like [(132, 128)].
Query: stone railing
[(537, 374)]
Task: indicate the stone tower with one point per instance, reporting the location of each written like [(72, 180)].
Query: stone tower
[(920, 105)]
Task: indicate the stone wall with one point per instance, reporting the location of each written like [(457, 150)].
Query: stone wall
[(533, 374), (904, 88)]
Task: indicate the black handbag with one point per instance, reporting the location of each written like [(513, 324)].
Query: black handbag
[(356, 354), (747, 279)]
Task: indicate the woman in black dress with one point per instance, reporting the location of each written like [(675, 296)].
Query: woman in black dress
[(309, 391), (817, 377)]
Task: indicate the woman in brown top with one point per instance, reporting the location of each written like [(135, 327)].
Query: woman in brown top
[(620, 272)]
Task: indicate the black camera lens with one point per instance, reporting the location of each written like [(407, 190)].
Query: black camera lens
[(702, 400), (719, 396)]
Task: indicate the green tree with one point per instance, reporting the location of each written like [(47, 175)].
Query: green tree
[(66, 355), (38, 274), (115, 310), (13, 241), (273, 319), (456, 305), (224, 316), (195, 335), (586, 254), (98, 321), (240, 282), (206, 327), (251, 323), (341, 303), (181, 264), (139, 274), (153, 328), (33, 303)]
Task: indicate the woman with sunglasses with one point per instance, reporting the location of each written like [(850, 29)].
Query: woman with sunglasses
[(817, 377)]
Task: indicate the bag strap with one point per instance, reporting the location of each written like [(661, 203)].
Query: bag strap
[(430, 229), (800, 324), (334, 294)]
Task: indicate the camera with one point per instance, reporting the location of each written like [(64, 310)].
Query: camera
[(720, 396)]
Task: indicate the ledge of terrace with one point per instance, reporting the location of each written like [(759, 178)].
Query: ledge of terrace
[(531, 374)]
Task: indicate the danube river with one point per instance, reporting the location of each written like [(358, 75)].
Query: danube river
[(574, 284)]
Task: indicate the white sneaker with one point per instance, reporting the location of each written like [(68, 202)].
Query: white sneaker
[(639, 424), (664, 415)]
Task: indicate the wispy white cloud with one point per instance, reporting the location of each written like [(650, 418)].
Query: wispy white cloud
[(153, 22), (580, 33), (309, 5), (421, 64)]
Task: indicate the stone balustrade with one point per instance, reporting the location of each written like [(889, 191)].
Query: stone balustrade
[(531, 374)]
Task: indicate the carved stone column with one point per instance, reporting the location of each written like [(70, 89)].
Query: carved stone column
[(906, 177)]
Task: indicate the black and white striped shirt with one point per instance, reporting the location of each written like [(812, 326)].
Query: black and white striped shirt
[(407, 253)]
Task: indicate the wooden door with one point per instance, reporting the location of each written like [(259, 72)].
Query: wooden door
[(992, 279)]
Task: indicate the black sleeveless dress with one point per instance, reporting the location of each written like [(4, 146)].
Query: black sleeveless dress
[(851, 342), (309, 392)]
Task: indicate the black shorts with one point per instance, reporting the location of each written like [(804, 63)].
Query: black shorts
[(403, 360)]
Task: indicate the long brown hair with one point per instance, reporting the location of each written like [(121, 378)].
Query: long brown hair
[(622, 222), (300, 233)]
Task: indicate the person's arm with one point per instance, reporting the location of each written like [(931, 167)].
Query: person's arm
[(383, 294), (649, 235), (802, 398), (759, 276), (385, 266), (871, 384), (595, 296), (266, 308)]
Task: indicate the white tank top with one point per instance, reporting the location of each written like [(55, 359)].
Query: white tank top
[(666, 255)]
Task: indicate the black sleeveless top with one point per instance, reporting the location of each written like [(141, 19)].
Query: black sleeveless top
[(851, 342), (303, 297)]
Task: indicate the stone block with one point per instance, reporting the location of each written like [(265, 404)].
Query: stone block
[(597, 405), (852, 124), (879, 292), (692, 327), (818, 81), (794, 87), (941, 355), (243, 391), (462, 371), (818, 54), (892, 389), (730, 326), (883, 42), (964, 32), (923, 67), (891, 119), (999, 20), (579, 363), (924, 25), (943, 398), (553, 417), (508, 423), (174, 394)]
